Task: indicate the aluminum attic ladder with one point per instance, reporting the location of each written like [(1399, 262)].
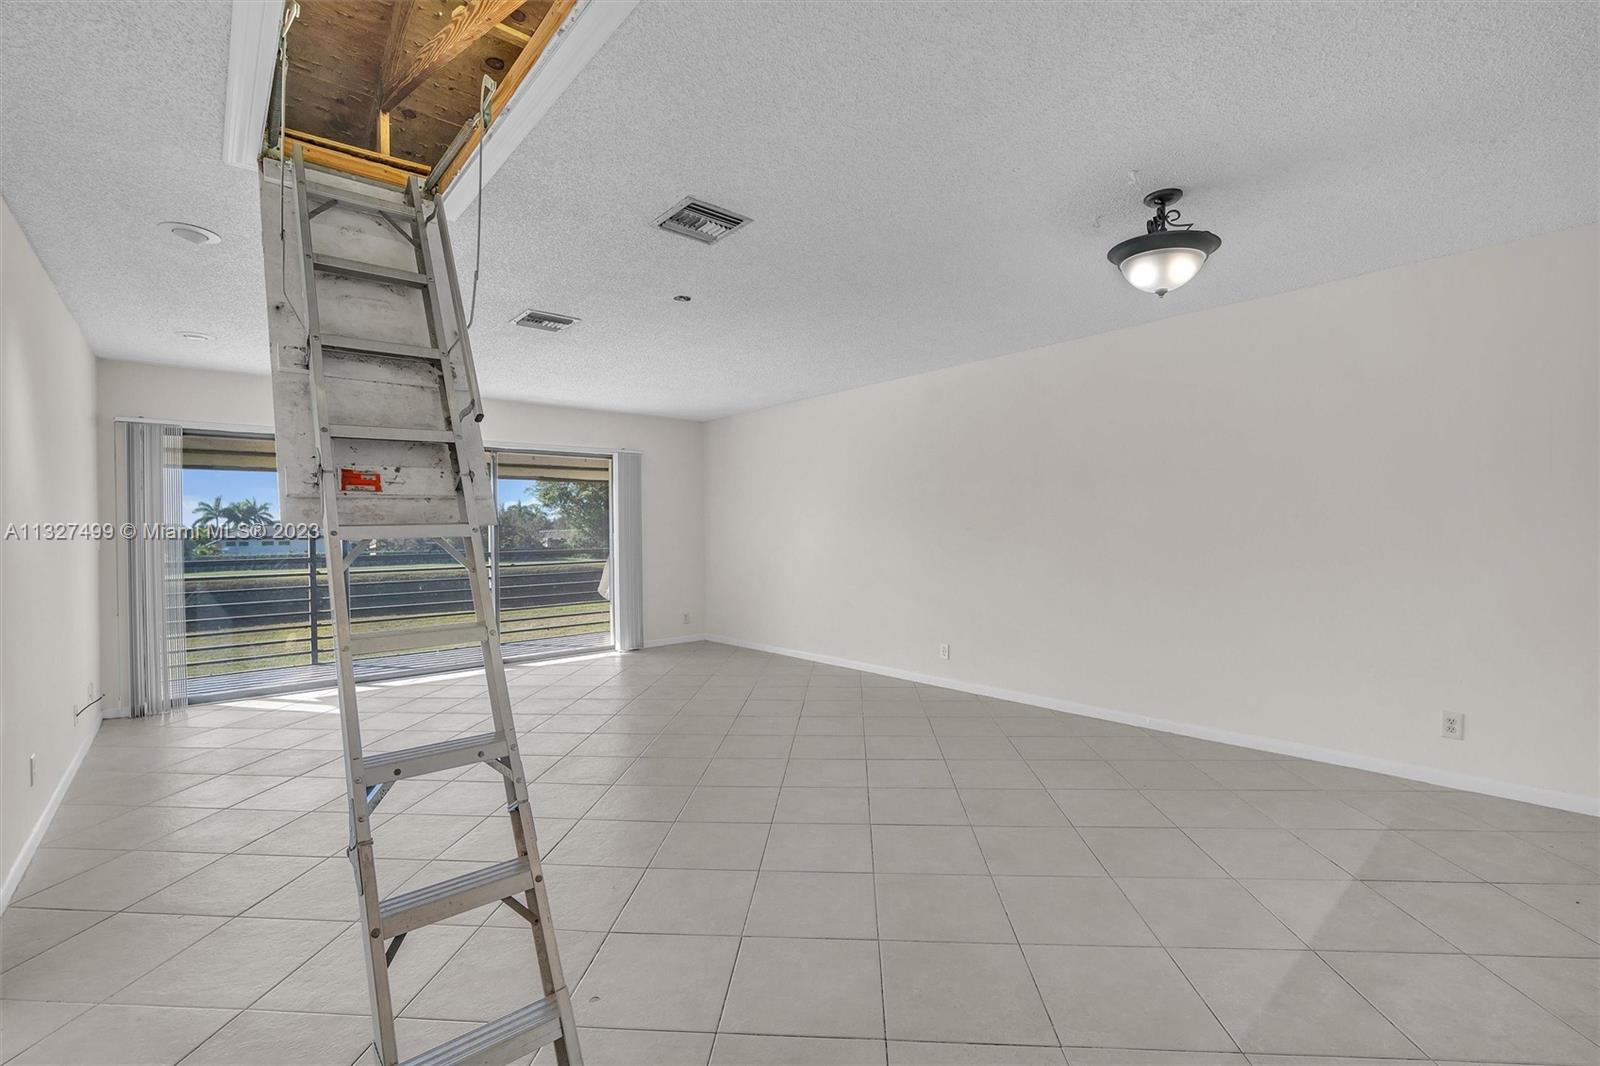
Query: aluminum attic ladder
[(378, 378)]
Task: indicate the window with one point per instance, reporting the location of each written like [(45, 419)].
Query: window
[(256, 609)]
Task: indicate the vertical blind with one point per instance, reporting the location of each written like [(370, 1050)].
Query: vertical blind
[(156, 642), (627, 548)]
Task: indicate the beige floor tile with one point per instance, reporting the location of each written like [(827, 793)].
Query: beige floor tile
[(1150, 853), (605, 843), (1071, 910), (911, 849), (1289, 1002), (713, 846), (839, 906), (1453, 1008), (315, 834), (233, 966), (1483, 919), (743, 773), (51, 866), (1273, 853), (1382, 855), (950, 908), (224, 831), (737, 1049), (1567, 988), (689, 901), (230, 885), (726, 804), (492, 974), (27, 931), (819, 848), (121, 882), (791, 987), (634, 1047), (1109, 807), (977, 993), (1123, 997), (1011, 807), (845, 805), (334, 980), (917, 806), (1046, 851), (1501, 857), (261, 1038), (1344, 916), (24, 1023), (1205, 913), (1574, 906), (650, 981), (1212, 808), (917, 1053), (117, 1035)]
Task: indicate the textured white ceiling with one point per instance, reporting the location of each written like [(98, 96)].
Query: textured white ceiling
[(931, 183)]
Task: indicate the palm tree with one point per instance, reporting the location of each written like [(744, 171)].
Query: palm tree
[(210, 513), (250, 512)]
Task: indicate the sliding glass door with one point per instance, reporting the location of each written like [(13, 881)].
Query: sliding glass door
[(256, 607), (552, 546)]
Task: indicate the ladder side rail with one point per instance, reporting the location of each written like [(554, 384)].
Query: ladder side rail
[(378, 991), (537, 900), (475, 408)]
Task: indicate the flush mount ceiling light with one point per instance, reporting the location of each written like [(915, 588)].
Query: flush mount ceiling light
[(1169, 253), (190, 234)]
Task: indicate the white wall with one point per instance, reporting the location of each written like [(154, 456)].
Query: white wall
[(49, 647), (673, 519), (1320, 518)]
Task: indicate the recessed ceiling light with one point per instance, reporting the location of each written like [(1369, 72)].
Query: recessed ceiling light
[(190, 234), (194, 335)]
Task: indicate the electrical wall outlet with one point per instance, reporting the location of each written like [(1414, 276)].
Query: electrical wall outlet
[(944, 651), (685, 617), (1452, 725)]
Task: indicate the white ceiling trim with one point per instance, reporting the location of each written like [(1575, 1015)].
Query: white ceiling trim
[(589, 26), (252, 52)]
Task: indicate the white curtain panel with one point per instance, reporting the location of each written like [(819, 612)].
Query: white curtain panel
[(157, 657), (627, 549)]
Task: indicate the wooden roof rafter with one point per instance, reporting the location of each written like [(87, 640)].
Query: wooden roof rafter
[(346, 95)]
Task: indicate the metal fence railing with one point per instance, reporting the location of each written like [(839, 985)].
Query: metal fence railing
[(269, 609)]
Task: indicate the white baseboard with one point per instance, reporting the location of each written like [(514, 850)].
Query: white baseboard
[(1567, 801), (46, 816), (663, 642)]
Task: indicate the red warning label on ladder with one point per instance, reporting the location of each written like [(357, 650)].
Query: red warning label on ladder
[(359, 480)]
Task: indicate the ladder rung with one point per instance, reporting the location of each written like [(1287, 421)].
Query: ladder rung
[(510, 1038), (445, 899), (430, 758), (357, 202), (359, 344), (426, 436), (352, 268), (417, 638), (420, 531)]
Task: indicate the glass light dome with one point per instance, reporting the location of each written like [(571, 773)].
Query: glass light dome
[(1162, 269), (1162, 259)]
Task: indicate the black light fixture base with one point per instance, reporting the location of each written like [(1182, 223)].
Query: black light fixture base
[(1163, 198)]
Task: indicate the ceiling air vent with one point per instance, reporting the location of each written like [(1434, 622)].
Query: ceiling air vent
[(701, 221), (544, 320)]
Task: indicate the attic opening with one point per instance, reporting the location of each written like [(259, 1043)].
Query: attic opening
[(390, 89)]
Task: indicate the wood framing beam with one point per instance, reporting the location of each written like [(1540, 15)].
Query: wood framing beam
[(394, 43), (510, 34), (537, 42), (467, 23), (347, 159)]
